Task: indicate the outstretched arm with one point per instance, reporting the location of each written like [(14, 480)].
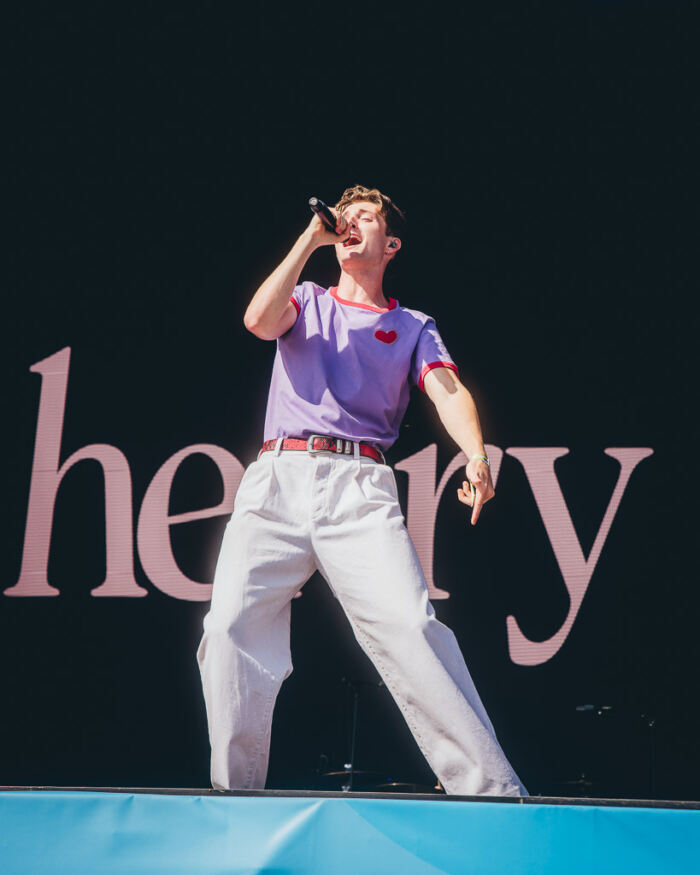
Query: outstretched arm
[(270, 312), (457, 412)]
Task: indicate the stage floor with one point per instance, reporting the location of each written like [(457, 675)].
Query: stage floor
[(142, 830)]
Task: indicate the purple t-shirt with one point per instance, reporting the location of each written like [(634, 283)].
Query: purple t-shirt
[(346, 369)]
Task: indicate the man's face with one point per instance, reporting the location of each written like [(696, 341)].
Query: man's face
[(365, 241)]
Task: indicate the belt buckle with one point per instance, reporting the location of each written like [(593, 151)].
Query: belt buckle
[(310, 444), (342, 446)]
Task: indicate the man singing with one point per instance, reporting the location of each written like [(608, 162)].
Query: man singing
[(321, 497)]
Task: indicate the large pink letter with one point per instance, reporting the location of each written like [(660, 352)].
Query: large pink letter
[(46, 478), (575, 568), (424, 499), (155, 549)]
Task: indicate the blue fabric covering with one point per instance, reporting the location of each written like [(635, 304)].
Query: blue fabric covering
[(89, 832)]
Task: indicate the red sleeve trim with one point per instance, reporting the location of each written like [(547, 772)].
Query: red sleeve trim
[(432, 366), (296, 304)]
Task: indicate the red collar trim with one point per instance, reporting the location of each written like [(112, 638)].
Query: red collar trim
[(392, 302)]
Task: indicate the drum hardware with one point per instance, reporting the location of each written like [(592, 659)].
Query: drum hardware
[(353, 779), (354, 685), (584, 782)]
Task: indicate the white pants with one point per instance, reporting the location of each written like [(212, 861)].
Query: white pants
[(295, 513)]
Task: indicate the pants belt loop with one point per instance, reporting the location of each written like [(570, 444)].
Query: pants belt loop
[(356, 450), (278, 446)]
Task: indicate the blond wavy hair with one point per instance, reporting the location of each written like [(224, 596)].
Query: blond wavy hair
[(393, 217)]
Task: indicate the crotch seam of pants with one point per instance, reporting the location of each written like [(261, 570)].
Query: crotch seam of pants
[(401, 702)]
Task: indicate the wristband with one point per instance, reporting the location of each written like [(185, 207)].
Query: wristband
[(483, 459)]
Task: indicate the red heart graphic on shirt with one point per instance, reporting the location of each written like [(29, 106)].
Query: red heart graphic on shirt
[(386, 336)]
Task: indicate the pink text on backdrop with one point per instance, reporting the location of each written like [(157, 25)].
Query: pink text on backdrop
[(153, 529)]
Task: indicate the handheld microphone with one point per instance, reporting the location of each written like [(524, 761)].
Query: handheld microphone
[(324, 213)]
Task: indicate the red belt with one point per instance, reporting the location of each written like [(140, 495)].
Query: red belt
[(318, 443)]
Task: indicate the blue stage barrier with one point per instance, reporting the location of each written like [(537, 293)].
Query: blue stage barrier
[(96, 832)]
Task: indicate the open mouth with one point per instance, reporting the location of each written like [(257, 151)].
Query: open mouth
[(352, 240)]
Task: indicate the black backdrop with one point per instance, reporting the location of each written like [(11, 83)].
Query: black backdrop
[(158, 164)]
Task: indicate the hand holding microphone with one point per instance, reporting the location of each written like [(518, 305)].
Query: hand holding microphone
[(331, 222), (323, 212)]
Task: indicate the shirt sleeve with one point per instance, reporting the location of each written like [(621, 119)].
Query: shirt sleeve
[(298, 298), (303, 294), (430, 352)]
